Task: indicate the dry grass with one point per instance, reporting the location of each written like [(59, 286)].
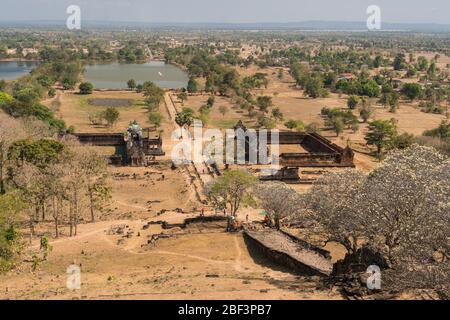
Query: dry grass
[(181, 267), (199, 266)]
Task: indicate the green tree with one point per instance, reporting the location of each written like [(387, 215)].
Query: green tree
[(338, 125), (155, 118), (378, 61), (10, 247), (131, 84), (280, 74), (27, 96), (153, 95), (412, 91), (277, 114), (402, 141), (264, 103), (386, 91), (45, 247), (312, 128), (86, 88), (399, 62), (298, 125), (192, 85), (139, 88), (68, 83), (210, 102), (183, 97), (381, 134), (184, 118), (314, 87), (371, 89), (230, 189), (204, 110), (393, 102), (431, 72), (5, 98), (40, 152), (352, 102), (209, 85), (52, 92), (111, 116), (422, 63), (10, 131), (365, 113), (290, 124), (300, 73), (441, 132), (223, 110), (265, 122), (44, 81)]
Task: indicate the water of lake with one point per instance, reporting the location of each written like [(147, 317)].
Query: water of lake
[(12, 70), (115, 75)]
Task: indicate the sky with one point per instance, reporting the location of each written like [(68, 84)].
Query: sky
[(228, 11)]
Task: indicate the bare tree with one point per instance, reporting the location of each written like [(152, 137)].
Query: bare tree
[(96, 173), (406, 205), (278, 200), (36, 129), (76, 180), (401, 209), (27, 179), (10, 131), (57, 189), (332, 205)]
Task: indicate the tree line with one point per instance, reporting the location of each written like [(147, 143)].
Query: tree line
[(43, 179)]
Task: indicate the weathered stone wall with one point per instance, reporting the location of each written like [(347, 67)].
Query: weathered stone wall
[(150, 146), (321, 152), (188, 221), (280, 258), (308, 246)]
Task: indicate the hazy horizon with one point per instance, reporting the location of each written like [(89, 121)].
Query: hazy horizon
[(231, 11)]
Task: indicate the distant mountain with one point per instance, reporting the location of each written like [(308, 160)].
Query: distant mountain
[(291, 26)]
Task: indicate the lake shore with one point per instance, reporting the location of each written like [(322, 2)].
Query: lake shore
[(113, 76), (19, 60)]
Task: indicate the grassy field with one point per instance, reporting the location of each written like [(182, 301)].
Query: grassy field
[(75, 110)]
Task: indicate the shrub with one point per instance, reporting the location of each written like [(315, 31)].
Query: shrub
[(86, 88)]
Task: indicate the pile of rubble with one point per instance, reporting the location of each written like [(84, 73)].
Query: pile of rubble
[(351, 274), (122, 230)]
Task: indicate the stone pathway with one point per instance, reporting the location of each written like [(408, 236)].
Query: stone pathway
[(201, 169)]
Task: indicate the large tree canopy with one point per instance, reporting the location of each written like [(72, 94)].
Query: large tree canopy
[(39, 152), (400, 209)]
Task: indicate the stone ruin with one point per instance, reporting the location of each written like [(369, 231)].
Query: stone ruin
[(319, 153), (132, 148), (135, 145)]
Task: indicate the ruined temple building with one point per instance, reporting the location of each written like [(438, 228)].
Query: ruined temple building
[(131, 148)]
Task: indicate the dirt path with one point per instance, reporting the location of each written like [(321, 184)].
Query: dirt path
[(135, 242), (130, 205), (98, 228), (166, 271), (238, 260)]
